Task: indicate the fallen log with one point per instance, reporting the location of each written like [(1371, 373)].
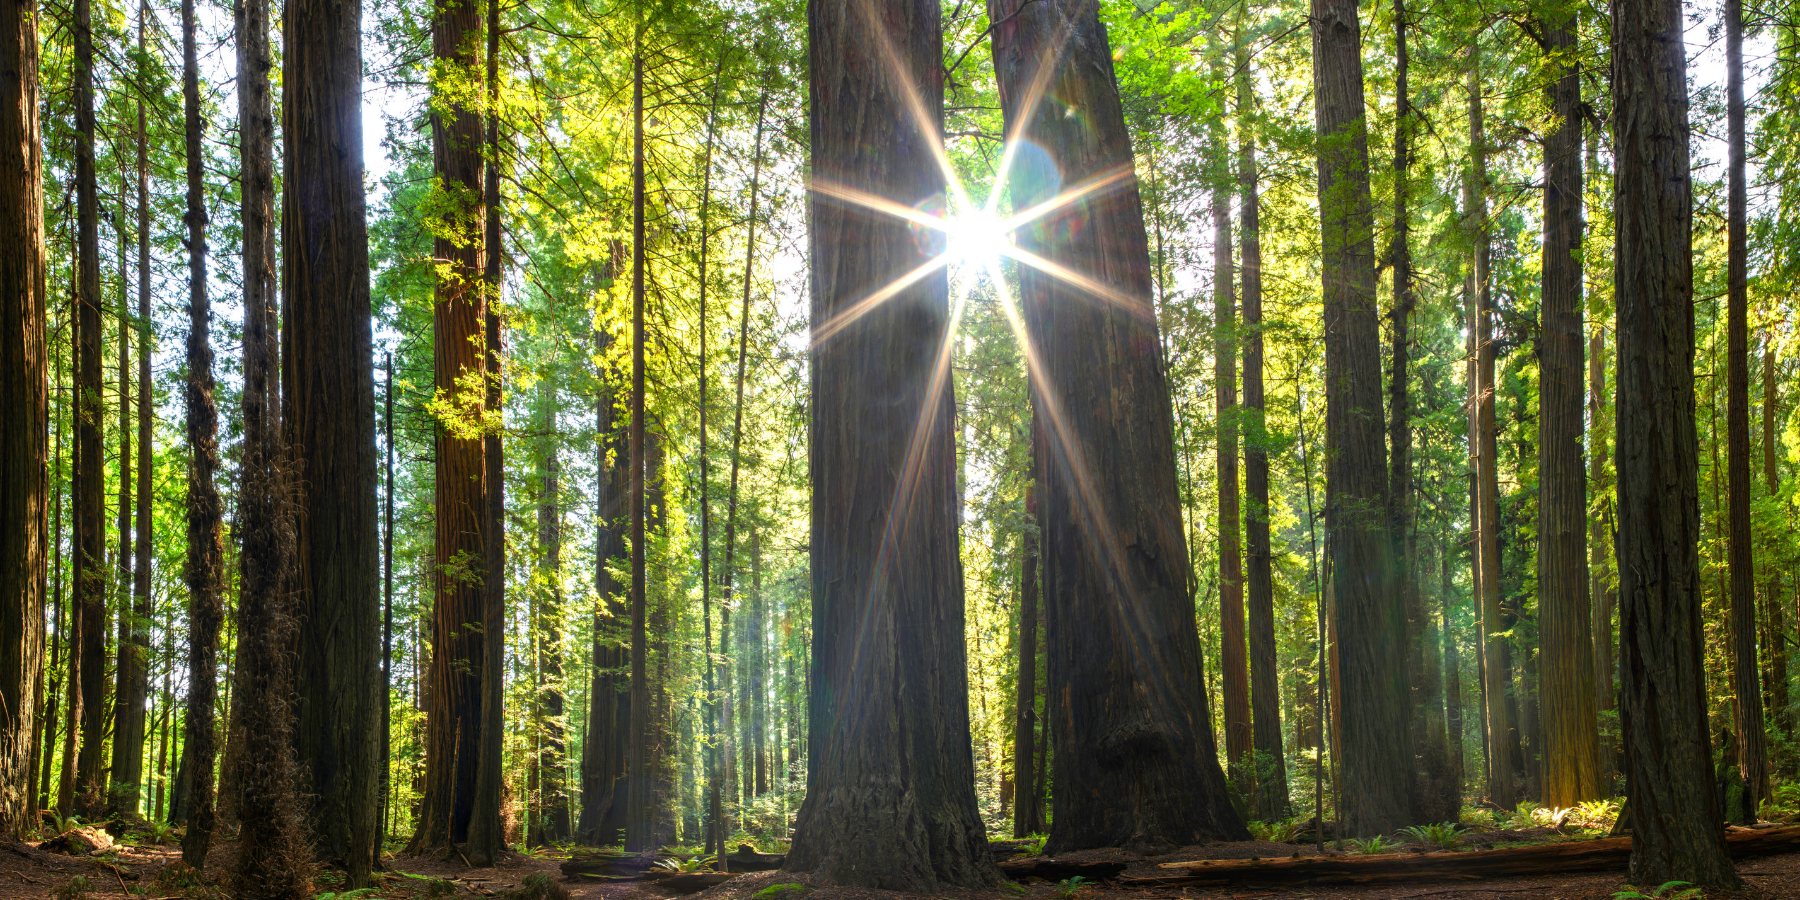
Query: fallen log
[(622, 866), (1542, 859), (695, 882), (1051, 868), (746, 859)]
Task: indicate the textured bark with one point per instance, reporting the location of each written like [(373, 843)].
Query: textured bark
[(1028, 812), (1496, 673), (1601, 593), (714, 837), (639, 821), (485, 829), (1746, 687), (1234, 663), (603, 752), (204, 573), (1369, 618), (453, 719), (1571, 745), (1453, 703), (1272, 801), (553, 823), (328, 384), (1775, 675), (133, 645), (1127, 710), (130, 770), (87, 670), (24, 407), (1674, 809), (890, 799)]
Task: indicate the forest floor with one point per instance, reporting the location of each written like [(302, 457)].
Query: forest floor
[(152, 871)]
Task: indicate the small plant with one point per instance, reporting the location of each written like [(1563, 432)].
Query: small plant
[(160, 832), (1670, 890), (439, 887), (74, 889), (1070, 888), (678, 864), (1443, 836), (537, 886), (1013, 886), (1284, 831), (1035, 844), (1371, 845), (357, 894), (60, 824), (781, 892)]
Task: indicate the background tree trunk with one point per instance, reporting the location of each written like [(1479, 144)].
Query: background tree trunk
[(24, 403), (1774, 594), (1369, 618), (554, 825), (1571, 745), (328, 381), (639, 817), (1234, 663), (1128, 715), (890, 799), (1028, 812), (88, 636), (603, 750), (1674, 810)]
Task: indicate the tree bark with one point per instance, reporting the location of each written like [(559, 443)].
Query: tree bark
[(328, 384), (554, 822), (890, 799), (1774, 595), (24, 405), (1028, 812), (1674, 809), (639, 818), (1496, 669), (1746, 688), (603, 751), (88, 656), (1234, 663), (1571, 751), (205, 551), (1128, 714), (1370, 620), (1272, 802), (1601, 592), (453, 719), (133, 649)]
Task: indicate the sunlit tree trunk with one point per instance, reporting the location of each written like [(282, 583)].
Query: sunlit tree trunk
[(128, 699), (1674, 809), (554, 822), (1128, 715), (24, 407), (1775, 678), (890, 799), (1028, 811), (640, 813), (328, 392), (603, 789)]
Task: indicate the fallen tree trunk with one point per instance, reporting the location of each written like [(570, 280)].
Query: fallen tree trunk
[(619, 866), (695, 882), (1542, 859), (1053, 868)]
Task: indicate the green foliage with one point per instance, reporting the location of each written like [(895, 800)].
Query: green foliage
[(685, 864), (1035, 844), (1443, 836), (1376, 844), (357, 894), (1284, 831), (1069, 888), (75, 888), (1013, 886), (1670, 890), (59, 824), (537, 886), (782, 892)]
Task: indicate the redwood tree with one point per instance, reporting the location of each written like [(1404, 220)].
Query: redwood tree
[(1133, 741), (890, 799), (87, 665), (1675, 830)]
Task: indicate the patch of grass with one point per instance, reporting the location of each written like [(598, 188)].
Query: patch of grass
[(1013, 886), (1670, 890), (782, 892)]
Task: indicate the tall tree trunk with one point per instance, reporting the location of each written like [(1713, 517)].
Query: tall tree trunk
[(1747, 710), (24, 405), (1123, 649), (1601, 592), (714, 836), (88, 666), (1453, 704), (1674, 809), (485, 829), (639, 818), (52, 637), (128, 700), (602, 756), (1028, 811), (1496, 670), (1370, 620), (1272, 801), (142, 607), (756, 638), (1234, 663), (890, 799), (205, 551), (1774, 595), (453, 720), (1571, 745), (328, 382), (554, 824)]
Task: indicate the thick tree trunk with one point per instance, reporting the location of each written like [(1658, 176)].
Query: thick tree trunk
[(1674, 809), (24, 406), (205, 551), (328, 382), (1369, 618), (1775, 678), (603, 760), (1496, 677), (142, 607), (1128, 714), (714, 837), (1028, 812), (890, 799), (1453, 703), (1272, 801), (486, 835), (88, 656), (554, 816), (453, 720), (1571, 745), (639, 818), (1746, 687), (1234, 663), (133, 650)]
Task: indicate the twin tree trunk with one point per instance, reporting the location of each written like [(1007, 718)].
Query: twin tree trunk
[(1571, 753), (1674, 808), (1127, 712), (24, 398), (328, 379), (1369, 619), (890, 799), (453, 722)]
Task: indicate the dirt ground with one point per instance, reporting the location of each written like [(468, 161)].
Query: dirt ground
[(133, 872)]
